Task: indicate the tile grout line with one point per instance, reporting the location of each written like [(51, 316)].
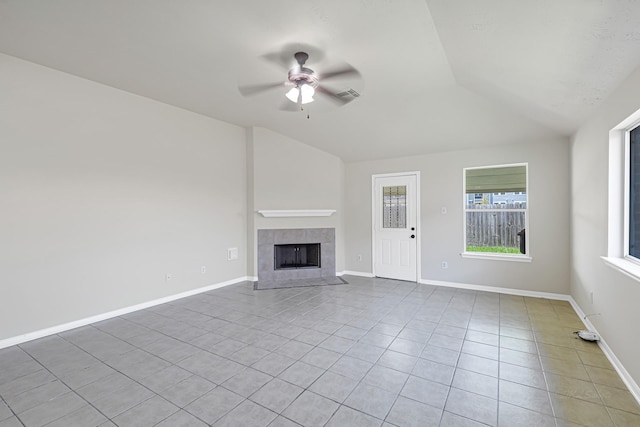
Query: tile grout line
[(116, 370), (63, 382), (15, 415), (544, 373)]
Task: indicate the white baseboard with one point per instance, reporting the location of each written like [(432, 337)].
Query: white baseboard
[(355, 273), (633, 387), (8, 342)]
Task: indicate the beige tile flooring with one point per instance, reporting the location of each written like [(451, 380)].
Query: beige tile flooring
[(373, 352)]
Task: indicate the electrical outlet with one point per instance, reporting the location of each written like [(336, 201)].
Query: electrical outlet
[(203, 269), (168, 276), (443, 211), (359, 257), (444, 265), (232, 254)]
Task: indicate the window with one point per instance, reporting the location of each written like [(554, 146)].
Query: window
[(496, 228), (394, 207), (623, 251), (633, 205)]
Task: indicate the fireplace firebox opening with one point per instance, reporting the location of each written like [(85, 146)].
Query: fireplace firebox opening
[(292, 256)]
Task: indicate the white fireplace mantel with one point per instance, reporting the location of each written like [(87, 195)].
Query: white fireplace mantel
[(289, 213)]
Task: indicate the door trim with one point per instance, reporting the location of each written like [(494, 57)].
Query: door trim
[(418, 226)]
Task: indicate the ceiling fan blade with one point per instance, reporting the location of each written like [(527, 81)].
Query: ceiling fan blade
[(250, 90), (334, 96), (347, 70), (279, 59)]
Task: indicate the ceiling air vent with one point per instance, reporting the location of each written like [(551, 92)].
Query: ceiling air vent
[(348, 94)]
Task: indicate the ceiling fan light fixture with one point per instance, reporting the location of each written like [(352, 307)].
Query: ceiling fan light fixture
[(305, 92), (292, 95)]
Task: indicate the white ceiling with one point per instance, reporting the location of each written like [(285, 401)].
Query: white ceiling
[(436, 75)]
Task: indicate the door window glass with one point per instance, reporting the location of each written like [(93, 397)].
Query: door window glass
[(394, 207)]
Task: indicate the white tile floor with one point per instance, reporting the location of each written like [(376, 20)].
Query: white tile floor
[(373, 352)]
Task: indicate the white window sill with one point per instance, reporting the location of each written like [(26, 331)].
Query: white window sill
[(496, 257), (624, 266)]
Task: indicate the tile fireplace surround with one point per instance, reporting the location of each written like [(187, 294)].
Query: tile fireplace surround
[(269, 278)]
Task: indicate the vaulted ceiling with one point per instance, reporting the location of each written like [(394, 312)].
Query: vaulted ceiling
[(435, 75)]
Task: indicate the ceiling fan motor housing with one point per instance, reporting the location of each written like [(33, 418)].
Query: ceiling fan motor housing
[(302, 75)]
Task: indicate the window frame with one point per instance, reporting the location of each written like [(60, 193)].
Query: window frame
[(526, 257), (618, 256), (627, 194)]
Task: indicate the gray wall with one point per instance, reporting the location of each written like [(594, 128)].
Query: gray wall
[(442, 235), (286, 174), (103, 193), (615, 295)]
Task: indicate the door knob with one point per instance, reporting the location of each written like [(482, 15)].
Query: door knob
[(413, 236)]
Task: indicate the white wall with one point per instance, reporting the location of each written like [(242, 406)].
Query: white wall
[(442, 235), (104, 192), (287, 174), (615, 295)]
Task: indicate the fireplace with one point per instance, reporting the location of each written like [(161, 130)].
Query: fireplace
[(298, 255)]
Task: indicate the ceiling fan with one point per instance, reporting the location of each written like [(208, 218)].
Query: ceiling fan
[(304, 83)]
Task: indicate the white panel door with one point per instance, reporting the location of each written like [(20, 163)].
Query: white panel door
[(394, 230)]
